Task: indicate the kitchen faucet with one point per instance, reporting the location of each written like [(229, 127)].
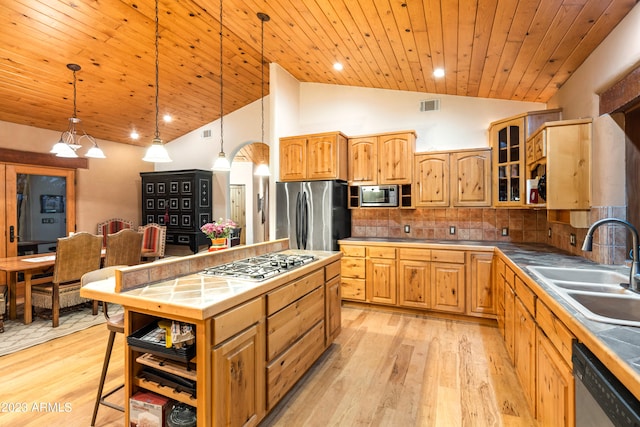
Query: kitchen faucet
[(634, 276)]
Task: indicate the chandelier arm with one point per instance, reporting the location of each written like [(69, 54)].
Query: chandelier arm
[(157, 134), (221, 87)]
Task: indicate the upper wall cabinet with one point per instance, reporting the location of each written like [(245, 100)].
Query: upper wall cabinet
[(313, 157), (471, 178), (382, 158), (507, 139), (455, 178), (560, 152)]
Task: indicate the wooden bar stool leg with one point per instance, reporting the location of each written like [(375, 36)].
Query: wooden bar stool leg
[(100, 398)]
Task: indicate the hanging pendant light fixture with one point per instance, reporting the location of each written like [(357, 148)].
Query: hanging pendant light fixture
[(69, 142), (222, 163), (157, 153), (263, 168)]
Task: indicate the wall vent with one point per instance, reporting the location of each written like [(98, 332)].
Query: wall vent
[(206, 133), (430, 105)]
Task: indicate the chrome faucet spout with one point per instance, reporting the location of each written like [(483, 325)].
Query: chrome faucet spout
[(634, 276)]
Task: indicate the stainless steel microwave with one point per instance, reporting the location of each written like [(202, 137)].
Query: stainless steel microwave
[(378, 196)]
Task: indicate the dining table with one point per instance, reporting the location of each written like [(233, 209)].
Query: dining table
[(29, 265)]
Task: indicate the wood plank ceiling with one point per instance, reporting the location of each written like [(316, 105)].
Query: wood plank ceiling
[(508, 49)]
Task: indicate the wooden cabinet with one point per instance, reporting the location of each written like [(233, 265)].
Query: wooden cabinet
[(471, 178), (181, 200), (525, 351), (295, 332), (313, 157), (395, 157), (507, 140), (447, 281), (363, 160), (555, 392), (333, 302), (382, 158), (561, 153), (452, 178), (431, 179), (353, 267), (414, 277), (381, 275), (481, 295), (509, 314), (238, 379)]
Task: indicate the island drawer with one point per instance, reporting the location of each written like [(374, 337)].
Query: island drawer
[(235, 320), (332, 270), (290, 323), (283, 372), (285, 295)]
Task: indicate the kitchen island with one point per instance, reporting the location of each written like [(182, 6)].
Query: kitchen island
[(253, 339)]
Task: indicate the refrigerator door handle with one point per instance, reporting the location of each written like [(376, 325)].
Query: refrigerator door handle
[(305, 220), (298, 212)]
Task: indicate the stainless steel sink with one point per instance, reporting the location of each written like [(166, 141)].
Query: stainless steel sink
[(597, 294), (601, 277)]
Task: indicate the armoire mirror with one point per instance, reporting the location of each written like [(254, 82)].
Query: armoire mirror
[(249, 194)]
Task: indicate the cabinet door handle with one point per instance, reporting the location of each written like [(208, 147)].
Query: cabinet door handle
[(12, 235)]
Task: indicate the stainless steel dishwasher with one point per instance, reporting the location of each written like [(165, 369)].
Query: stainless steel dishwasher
[(601, 400)]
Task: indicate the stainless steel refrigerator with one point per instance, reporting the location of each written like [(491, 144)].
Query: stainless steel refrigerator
[(313, 214)]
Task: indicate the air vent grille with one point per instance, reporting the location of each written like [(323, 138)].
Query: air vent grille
[(206, 133), (430, 105)]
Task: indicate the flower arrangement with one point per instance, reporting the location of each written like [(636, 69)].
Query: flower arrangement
[(220, 229)]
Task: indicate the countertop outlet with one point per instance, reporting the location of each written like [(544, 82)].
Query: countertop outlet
[(407, 228)]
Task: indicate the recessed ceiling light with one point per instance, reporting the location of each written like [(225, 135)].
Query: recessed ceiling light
[(134, 135), (338, 66), (167, 118), (438, 72)]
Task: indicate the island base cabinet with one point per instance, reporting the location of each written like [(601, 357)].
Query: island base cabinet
[(284, 371), (238, 396)]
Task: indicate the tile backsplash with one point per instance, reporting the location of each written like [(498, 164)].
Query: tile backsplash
[(488, 224)]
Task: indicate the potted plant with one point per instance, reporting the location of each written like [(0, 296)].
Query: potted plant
[(218, 231)]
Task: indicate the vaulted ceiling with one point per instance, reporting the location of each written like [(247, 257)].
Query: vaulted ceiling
[(508, 49)]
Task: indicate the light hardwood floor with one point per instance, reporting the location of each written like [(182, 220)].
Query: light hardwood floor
[(385, 369)]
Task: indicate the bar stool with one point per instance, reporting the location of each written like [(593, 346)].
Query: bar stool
[(115, 325)]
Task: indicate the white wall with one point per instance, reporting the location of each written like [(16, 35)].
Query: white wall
[(579, 97), (461, 122)]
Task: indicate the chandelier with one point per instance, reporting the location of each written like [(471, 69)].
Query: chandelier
[(71, 139)]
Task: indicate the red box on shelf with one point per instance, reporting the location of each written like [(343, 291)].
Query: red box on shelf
[(147, 409)]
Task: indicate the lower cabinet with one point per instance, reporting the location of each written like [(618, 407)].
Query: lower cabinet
[(381, 275), (539, 346), (237, 394), (555, 393), (446, 280)]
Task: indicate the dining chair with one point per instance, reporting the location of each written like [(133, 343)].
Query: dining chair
[(111, 226), (154, 240), (3, 305), (115, 325), (75, 256), (123, 248)]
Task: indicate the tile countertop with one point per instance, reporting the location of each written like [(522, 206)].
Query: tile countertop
[(618, 347), (197, 296)]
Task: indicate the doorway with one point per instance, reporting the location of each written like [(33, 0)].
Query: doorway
[(39, 208)]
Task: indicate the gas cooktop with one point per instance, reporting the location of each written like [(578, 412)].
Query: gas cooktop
[(259, 267)]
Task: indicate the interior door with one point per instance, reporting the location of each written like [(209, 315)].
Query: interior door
[(39, 207), (238, 209)]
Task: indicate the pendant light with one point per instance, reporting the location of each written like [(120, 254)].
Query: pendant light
[(69, 142), (263, 167), (157, 153), (222, 163)]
